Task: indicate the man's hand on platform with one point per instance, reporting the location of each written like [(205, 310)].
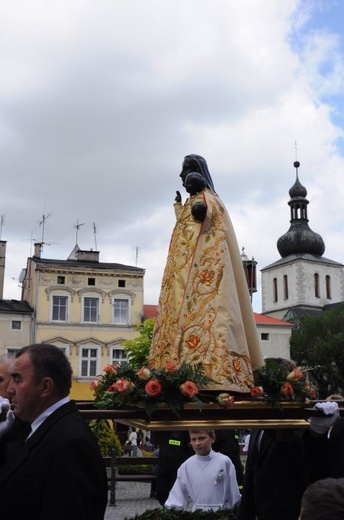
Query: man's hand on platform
[(322, 424)]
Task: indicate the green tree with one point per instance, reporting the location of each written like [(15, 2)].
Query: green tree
[(106, 437), (137, 350), (318, 342)]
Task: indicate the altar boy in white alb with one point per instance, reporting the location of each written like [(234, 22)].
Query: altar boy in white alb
[(207, 478)]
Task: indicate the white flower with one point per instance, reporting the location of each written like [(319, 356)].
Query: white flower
[(218, 476)]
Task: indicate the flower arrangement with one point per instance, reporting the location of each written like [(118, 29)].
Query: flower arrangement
[(124, 385), (275, 382)]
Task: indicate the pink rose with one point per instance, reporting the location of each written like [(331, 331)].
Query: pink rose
[(122, 386), (295, 375), (287, 389), (153, 388), (94, 385), (225, 400), (189, 389), (112, 369), (256, 391), (143, 373)]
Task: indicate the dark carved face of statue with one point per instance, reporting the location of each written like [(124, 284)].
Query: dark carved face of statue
[(188, 167), (196, 163), (194, 183)]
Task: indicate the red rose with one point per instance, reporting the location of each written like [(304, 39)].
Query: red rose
[(287, 389), (170, 367), (189, 389), (143, 373), (311, 391), (153, 388), (256, 391)]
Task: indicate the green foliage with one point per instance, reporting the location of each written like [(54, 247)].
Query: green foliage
[(106, 437), (281, 383), (138, 469), (137, 350), (123, 385), (163, 513), (319, 343)]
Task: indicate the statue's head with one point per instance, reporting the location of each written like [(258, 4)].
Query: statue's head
[(196, 163), (194, 183)]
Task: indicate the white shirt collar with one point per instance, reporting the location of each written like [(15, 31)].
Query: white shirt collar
[(48, 411)]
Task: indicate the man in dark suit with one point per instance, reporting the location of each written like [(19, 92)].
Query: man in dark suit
[(57, 471), (325, 442), (275, 476)]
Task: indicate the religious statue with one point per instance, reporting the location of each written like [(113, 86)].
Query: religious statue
[(204, 312)]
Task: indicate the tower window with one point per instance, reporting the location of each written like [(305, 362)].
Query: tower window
[(316, 286), (328, 287), (275, 289), (61, 280), (121, 283), (285, 285), (91, 281)]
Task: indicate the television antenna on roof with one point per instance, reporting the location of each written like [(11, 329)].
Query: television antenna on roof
[(95, 235), (42, 223), (2, 222), (77, 227)]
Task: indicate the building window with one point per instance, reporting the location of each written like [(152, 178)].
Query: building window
[(89, 357), (121, 283), (121, 311), (64, 347), (275, 289), (16, 325), (118, 356), (11, 352), (265, 336), (61, 280), (91, 310), (316, 286), (91, 281), (328, 287), (285, 286), (59, 310)]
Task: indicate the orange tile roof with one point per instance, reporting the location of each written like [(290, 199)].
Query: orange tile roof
[(261, 319)]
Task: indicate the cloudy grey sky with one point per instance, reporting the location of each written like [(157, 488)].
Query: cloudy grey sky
[(101, 100)]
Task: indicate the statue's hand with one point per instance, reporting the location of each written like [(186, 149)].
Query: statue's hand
[(178, 197), (199, 211)]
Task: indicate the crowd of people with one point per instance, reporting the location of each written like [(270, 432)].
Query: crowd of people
[(50, 458)]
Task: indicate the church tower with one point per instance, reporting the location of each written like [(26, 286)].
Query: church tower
[(302, 281)]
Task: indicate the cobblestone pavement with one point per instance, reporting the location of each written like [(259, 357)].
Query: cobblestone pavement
[(132, 498)]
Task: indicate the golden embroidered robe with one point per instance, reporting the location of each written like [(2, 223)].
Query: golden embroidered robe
[(204, 312)]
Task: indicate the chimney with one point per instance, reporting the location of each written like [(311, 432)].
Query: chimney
[(38, 249), (87, 256), (2, 267)]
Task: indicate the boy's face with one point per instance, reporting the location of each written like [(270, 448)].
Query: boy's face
[(201, 442)]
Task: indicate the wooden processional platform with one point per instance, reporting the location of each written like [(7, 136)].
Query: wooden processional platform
[(244, 415)]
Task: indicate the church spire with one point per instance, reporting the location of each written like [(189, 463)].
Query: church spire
[(299, 239)]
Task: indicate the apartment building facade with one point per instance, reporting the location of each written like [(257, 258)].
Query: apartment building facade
[(86, 307)]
